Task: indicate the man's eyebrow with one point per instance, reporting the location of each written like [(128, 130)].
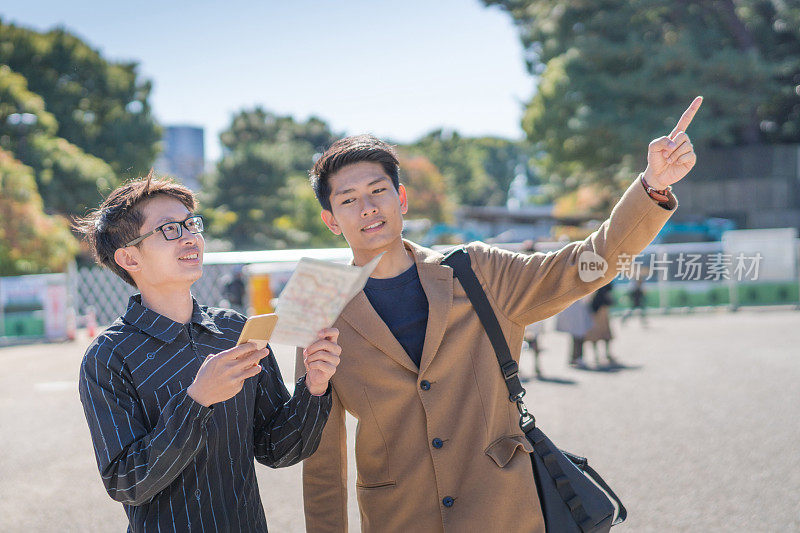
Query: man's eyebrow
[(370, 184), (165, 220)]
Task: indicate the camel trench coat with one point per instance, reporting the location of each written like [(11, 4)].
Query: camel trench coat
[(439, 448)]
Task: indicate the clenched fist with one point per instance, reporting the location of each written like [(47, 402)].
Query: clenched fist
[(321, 359)]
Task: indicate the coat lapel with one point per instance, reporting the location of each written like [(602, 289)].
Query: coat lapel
[(360, 314), (437, 281)]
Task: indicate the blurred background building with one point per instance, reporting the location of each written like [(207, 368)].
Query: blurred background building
[(183, 155), (754, 186)]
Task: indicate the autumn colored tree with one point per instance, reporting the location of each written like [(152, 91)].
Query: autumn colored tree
[(428, 192), (31, 241)]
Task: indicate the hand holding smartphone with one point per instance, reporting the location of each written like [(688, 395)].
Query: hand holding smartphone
[(258, 330)]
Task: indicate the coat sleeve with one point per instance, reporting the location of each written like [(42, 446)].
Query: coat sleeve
[(136, 464), (286, 429), (325, 472), (531, 287)]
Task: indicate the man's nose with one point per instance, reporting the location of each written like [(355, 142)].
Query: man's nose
[(188, 237), (368, 209)]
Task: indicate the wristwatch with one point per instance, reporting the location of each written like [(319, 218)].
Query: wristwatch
[(660, 196)]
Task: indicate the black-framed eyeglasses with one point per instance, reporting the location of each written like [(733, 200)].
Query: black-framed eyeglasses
[(173, 230)]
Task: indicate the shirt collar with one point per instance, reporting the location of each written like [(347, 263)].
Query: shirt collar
[(161, 327), (199, 316)]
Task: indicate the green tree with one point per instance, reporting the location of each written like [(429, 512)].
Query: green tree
[(31, 242), (301, 224), (614, 74), (100, 106), (252, 185), (478, 170), (69, 180)]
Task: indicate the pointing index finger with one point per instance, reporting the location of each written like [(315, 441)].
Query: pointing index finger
[(687, 117)]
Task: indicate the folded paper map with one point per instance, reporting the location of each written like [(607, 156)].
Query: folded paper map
[(314, 297)]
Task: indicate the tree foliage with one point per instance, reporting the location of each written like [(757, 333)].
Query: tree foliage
[(31, 242), (614, 74), (255, 183), (99, 106), (69, 180), (428, 194), (478, 170)]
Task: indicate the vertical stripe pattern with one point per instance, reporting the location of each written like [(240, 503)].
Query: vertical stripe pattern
[(174, 464)]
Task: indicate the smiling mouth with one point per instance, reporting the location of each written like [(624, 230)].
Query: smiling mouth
[(374, 226), (190, 257)]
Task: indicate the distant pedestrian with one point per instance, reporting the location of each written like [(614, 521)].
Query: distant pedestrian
[(531, 342), (601, 327), (636, 297), (234, 291), (577, 321)]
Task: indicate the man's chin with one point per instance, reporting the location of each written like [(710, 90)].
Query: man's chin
[(189, 276), (376, 244)]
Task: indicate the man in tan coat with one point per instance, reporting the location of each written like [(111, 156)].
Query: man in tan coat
[(438, 445)]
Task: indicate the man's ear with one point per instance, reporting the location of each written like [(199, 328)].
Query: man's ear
[(401, 191), (128, 259), (327, 218)]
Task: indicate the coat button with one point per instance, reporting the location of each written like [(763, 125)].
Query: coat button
[(437, 443), (197, 494), (448, 501), (424, 384)]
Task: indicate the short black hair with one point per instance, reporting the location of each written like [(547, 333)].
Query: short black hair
[(348, 151), (119, 218)]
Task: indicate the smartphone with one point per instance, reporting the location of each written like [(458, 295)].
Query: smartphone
[(258, 330)]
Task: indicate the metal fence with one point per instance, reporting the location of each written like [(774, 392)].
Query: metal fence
[(101, 289)]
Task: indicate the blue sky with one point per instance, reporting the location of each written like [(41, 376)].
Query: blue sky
[(397, 69)]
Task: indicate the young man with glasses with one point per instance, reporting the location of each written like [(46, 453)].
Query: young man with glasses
[(176, 412)]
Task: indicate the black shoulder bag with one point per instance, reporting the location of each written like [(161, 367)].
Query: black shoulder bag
[(573, 497)]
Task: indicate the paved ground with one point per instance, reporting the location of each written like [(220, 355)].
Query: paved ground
[(700, 433)]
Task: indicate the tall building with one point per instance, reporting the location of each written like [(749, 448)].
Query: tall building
[(183, 156)]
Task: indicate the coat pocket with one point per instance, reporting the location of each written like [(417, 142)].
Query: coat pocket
[(369, 486), (502, 450), (372, 450)]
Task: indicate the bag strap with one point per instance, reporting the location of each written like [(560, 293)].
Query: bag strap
[(459, 261)]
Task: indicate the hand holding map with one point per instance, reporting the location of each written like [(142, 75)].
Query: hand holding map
[(314, 297)]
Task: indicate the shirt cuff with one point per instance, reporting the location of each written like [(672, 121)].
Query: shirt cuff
[(196, 409), (302, 382)]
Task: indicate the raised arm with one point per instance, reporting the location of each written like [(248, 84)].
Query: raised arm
[(529, 288)]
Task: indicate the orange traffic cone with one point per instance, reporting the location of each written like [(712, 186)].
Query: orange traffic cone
[(91, 323), (72, 324)]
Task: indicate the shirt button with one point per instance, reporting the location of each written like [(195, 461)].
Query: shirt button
[(437, 443), (448, 501), (424, 384), (151, 355)]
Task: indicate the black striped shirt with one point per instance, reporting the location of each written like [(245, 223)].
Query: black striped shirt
[(174, 464)]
